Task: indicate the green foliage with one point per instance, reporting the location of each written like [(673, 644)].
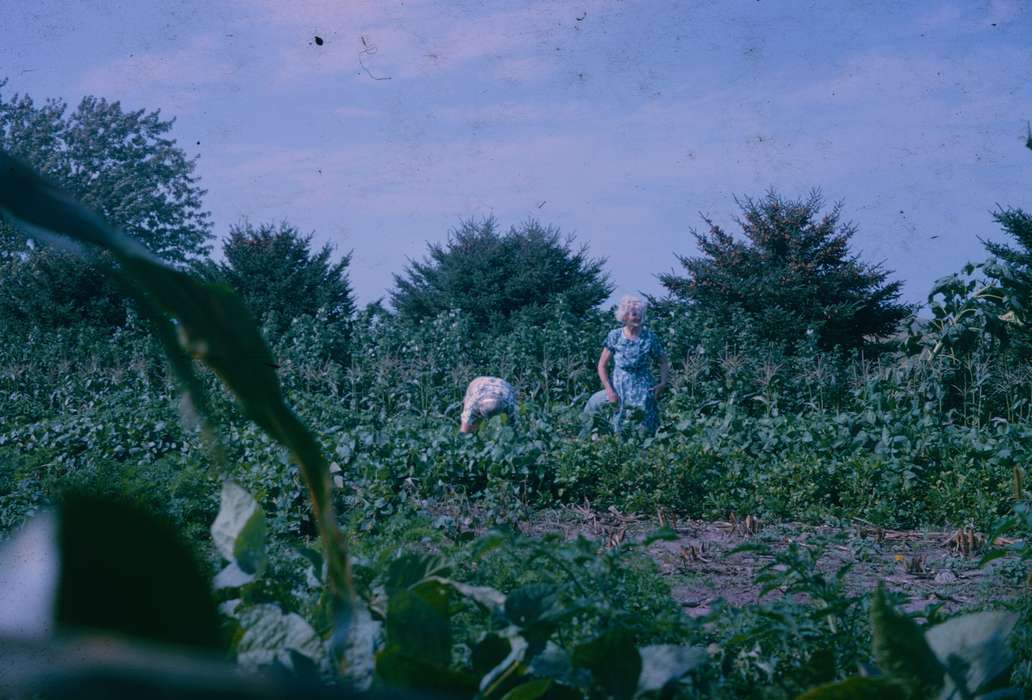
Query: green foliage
[(280, 278), (901, 650), (965, 657), (748, 427), (123, 165), (807, 629), (212, 325), (568, 634), (493, 276), (1017, 225), (858, 689), (239, 534), (127, 571), (792, 275)]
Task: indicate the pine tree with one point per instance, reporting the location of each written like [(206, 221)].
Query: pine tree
[(491, 275), (792, 273), (280, 277)]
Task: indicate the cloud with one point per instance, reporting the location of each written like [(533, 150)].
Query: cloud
[(192, 64), (357, 113), (511, 113), (524, 69), (973, 18), (413, 40), (174, 79)]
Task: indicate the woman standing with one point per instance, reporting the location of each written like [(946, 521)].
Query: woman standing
[(632, 348)]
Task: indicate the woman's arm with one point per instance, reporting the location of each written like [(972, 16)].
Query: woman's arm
[(603, 374)]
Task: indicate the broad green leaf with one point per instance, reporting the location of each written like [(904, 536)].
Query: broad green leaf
[(239, 530), (314, 557), (436, 594), (614, 662), (401, 670), (662, 663), (417, 628), (359, 648), (508, 670), (974, 648), (410, 568), (554, 662), (270, 635), (125, 570), (490, 651), (535, 609), (858, 689), (490, 599), (487, 543), (900, 649), (529, 691), (531, 604), (212, 325)]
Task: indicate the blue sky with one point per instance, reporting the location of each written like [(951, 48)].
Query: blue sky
[(617, 120)]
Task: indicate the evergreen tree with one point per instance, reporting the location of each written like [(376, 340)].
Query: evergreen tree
[(792, 273), (280, 277), (491, 275), (1017, 224)]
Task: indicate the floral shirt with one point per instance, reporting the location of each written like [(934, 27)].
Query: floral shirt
[(632, 373), (488, 396)]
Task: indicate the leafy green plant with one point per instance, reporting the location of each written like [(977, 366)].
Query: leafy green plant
[(212, 325), (964, 657), (493, 276)]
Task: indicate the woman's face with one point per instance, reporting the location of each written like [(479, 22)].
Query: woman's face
[(632, 317)]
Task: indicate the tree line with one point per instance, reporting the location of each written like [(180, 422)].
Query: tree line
[(789, 275)]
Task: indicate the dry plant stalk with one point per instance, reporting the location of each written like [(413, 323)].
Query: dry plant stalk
[(965, 541), (690, 554), (915, 565), (616, 537)]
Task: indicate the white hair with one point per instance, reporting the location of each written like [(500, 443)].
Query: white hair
[(627, 303)]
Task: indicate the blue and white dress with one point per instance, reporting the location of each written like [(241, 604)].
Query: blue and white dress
[(632, 374)]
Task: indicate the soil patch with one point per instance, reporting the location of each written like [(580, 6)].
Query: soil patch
[(703, 566)]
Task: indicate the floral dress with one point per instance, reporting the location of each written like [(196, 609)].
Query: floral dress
[(488, 396), (632, 375)]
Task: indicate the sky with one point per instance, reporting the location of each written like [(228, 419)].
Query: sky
[(621, 122)]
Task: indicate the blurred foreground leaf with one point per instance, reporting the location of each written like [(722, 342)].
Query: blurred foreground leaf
[(858, 689), (614, 662), (271, 635), (975, 651), (211, 325), (125, 570), (239, 534), (901, 650)]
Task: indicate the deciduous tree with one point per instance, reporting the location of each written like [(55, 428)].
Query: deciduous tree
[(123, 164)]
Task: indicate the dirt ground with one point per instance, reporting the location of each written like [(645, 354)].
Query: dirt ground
[(929, 567)]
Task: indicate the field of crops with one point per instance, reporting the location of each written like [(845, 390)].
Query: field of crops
[(802, 514), (864, 449)]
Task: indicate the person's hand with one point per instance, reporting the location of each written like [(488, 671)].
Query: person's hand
[(611, 396)]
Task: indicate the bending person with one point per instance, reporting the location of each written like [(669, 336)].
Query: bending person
[(632, 348), (486, 397)]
